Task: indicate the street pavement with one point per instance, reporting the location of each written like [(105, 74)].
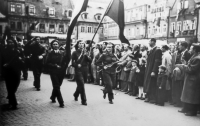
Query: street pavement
[(36, 109)]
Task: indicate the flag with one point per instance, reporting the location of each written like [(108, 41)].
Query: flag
[(116, 12), (158, 22), (34, 25), (80, 7)]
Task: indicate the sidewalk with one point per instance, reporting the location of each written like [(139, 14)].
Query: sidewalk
[(36, 109)]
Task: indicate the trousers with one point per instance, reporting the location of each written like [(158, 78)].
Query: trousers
[(12, 79), (37, 71), (109, 81), (79, 77), (56, 82)]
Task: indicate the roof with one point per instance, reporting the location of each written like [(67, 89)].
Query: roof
[(93, 9), (59, 6)]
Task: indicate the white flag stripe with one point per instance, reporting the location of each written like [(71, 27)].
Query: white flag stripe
[(77, 9)]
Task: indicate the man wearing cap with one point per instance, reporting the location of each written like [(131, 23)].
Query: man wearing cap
[(191, 89), (150, 78)]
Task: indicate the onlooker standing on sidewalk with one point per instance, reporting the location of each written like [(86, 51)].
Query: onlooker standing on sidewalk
[(167, 62), (37, 52), (56, 68), (153, 61), (191, 89)]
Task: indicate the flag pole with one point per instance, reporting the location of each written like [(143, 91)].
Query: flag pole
[(101, 22)]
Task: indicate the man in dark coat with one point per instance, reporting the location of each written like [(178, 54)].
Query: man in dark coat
[(191, 89), (150, 78), (37, 52)]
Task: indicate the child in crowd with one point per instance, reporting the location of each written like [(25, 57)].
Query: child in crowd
[(161, 85), (132, 78)]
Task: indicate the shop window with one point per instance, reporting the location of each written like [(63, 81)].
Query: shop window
[(19, 25)]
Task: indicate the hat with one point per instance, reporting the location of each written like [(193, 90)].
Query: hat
[(105, 43), (135, 61), (162, 67), (166, 47)]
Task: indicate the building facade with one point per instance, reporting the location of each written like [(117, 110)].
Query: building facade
[(88, 22), (183, 21), (135, 24), (49, 16), (157, 18), (3, 24)]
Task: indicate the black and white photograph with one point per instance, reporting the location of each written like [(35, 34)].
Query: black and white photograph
[(99, 62)]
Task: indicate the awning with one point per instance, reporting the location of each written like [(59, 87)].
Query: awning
[(141, 41), (2, 16), (44, 35)]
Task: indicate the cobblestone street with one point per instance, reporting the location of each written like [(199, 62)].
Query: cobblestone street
[(36, 109)]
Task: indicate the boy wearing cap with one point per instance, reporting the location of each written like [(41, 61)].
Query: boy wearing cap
[(161, 85)]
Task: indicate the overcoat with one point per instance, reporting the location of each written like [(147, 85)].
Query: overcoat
[(191, 88), (153, 61)]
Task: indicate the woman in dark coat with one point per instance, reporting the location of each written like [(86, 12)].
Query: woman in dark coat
[(191, 89), (56, 64), (12, 59)]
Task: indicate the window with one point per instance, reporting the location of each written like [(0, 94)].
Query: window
[(61, 28), (70, 13), (18, 8), (193, 25), (82, 29), (12, 7), (42, 27), (98, 17), (164, 28), (12, 25), (173, 27), (149, 8), (51, 28), (149, 30), (52, 12), (89, 30), (31, 10), (95, 29), (185, 25), (178, 26), (19, 25), (129, 32), (85, 15)]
